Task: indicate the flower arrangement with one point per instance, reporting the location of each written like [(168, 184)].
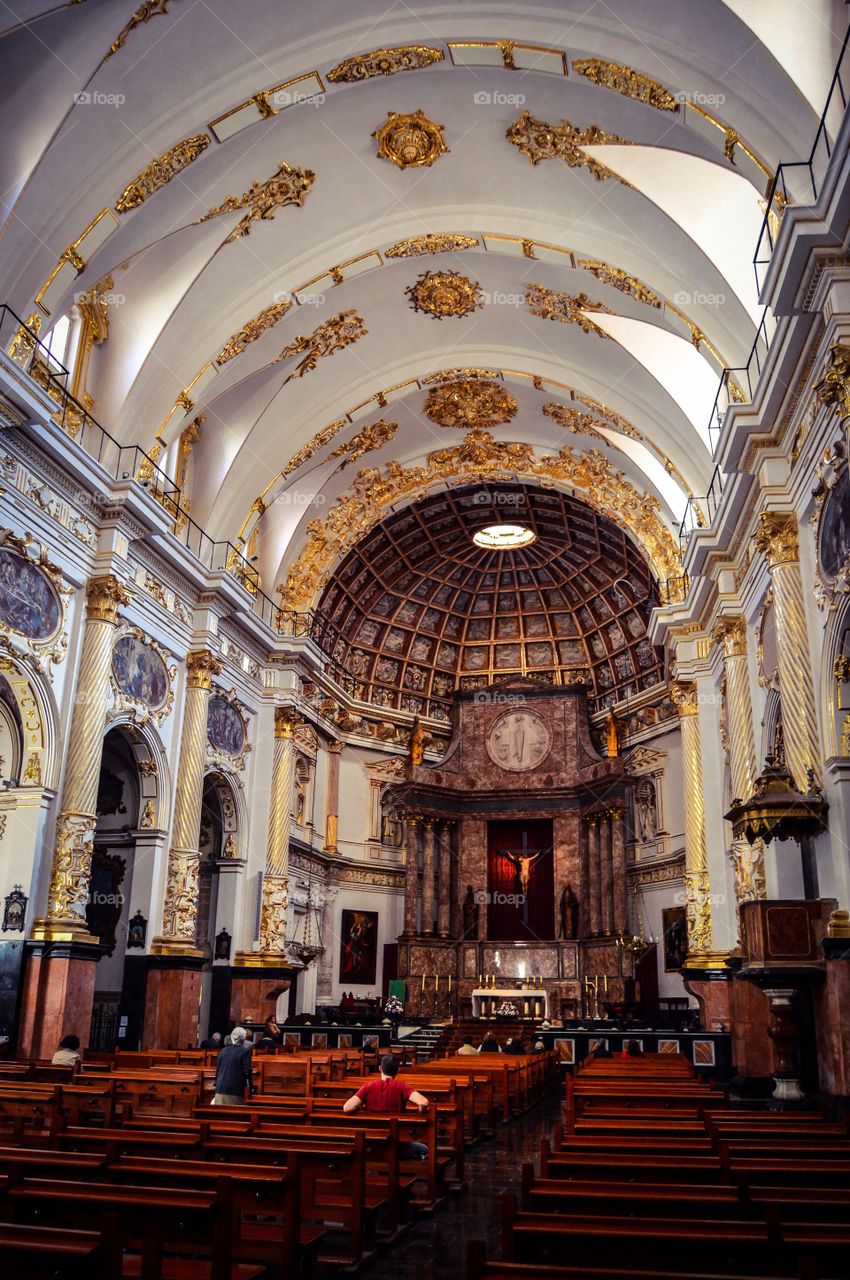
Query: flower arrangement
[(507, 1009), (393, 1008)]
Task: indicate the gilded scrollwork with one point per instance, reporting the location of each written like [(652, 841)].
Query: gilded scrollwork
[(144, 13), (541, 141), (327, 339), (432, 242), (625, 80), (565, 307), (253, 330), (374, 436), (410, 140), (273, 909), (445, 293), (70, 878), (385, 62), (160, 171), (470, 404), (619, 279), (289, 185), (181, 896)]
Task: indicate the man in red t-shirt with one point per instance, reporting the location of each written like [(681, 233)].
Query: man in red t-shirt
[(389, 1095)]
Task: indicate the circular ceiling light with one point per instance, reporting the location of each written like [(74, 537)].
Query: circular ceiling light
[(504, 537)]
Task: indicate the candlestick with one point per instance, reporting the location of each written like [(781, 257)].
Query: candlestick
[(450, 983), (436, 982), (480, 983), (422, 988)]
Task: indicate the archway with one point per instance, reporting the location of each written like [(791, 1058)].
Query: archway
[(222, 837)]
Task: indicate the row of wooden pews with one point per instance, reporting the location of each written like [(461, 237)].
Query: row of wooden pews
[(139, 1176), (654, 1175)]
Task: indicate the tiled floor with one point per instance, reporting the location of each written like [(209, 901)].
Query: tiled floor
[(435, 1247)]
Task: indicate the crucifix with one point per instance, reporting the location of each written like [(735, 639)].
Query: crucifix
[(523, 859)]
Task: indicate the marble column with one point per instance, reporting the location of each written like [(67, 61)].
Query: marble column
[(594, 872), (428, 865), (411, 872), (697, 894), (332, 817), (606, 872), (444, 898), (325, 977), (275, 894), (172, 1002), (730, 634), (618, 867), (777, 538), (59, 980)]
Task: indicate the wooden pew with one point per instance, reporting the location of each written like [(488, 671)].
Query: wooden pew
[(478, 1268), (651, 1199), (43, 1253)]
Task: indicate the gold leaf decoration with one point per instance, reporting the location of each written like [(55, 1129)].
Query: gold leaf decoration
[(445, 293), (385, 62), (446, 242), (627, 81), (160, 172), (470, 404), (411, 140), (253, 330), (566, 307), (330, 337), (572, 419), (144, 13), (262, 199), (541, 141), (319, 440), (370, 438), (621, 280)]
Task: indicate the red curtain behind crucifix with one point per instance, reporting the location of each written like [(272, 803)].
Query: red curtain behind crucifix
[(510, 919)]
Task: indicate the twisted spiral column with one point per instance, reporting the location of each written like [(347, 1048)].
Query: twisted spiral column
[(697, 889), (179, 909), (275, 896), (777, 537), (747, 860), (70, 877)]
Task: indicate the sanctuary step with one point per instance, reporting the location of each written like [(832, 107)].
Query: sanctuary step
[(428, 1041)]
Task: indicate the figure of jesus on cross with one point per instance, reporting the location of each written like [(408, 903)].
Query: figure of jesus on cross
[(523, 859)]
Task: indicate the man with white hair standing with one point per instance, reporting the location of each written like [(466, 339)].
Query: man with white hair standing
[(233, 1071)]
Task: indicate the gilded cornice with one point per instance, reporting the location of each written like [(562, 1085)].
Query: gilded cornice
[(104, 596), (160, 172), (479, 457), (385, 62), (541, 141), (730, 634), (626, 81), (253, 330), (201, 666), (619, 279), (416, 246)]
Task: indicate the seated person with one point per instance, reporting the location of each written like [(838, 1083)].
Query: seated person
[(68, 1053), (213, 1042), (467, 1047), (489, 1044), (390, 1096), (514, 1046)]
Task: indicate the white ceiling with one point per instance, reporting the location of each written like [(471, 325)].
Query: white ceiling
[(685, 227)]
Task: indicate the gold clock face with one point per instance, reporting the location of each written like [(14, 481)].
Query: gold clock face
[(518, 740)]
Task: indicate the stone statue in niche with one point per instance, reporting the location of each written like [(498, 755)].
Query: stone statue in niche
[(569, 914), (471, 911), (392, 830), (646, 810), (416, 753)]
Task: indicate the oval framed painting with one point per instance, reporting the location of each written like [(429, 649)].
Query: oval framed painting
[(225, 728), (28, 602), (834, 533), (140, 672)]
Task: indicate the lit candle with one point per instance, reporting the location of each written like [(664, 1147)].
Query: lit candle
[(436, 982), (480, 982), (423, 982), (605, 983), (450, 982)]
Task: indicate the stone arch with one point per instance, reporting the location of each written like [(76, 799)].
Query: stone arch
[(154, 773), (835, 717), (33, 703)]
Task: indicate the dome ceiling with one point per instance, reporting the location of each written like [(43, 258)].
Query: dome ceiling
[(418, 610), (567, 195)]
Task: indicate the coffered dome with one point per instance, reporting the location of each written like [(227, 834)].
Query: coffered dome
[(418, 609)]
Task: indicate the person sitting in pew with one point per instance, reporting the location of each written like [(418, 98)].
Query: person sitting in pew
[(489, 1044), (389, 1095), (467, 1047), (233, 1071), (68, 1053), (213, 1042), (514, 1046)]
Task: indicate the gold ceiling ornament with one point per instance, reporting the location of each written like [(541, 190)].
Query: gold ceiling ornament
[(452, 375), (433, 242), (410, 140), (371, 437), (621, 280), (445, 293), (319, 440), (253, 330), (627, 81), (541, 141), (568, 308), (331, 336), (288, 186), (159, 172), (572, 419), (470, 405), (144, 13), (478, 458), (614, 419), (385, 62)]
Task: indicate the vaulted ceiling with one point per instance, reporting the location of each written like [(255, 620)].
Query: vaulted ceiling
[(597, 180)]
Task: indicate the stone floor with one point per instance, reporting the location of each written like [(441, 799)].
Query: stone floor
[(434, 1248)]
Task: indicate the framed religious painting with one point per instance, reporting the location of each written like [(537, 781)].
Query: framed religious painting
[(141, 675), (358, 947), (29, 603), (227, 731), (675, 928)]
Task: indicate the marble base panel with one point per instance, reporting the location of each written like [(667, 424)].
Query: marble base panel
[(832, 1022), (752, 1049), (254, 993), (58, 995), (172, 1006)]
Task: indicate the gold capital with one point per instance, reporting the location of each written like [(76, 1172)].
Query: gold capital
[(104, 596), (731, 635), (684, 695), (286, 720), (776, 536), (200, 669)]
